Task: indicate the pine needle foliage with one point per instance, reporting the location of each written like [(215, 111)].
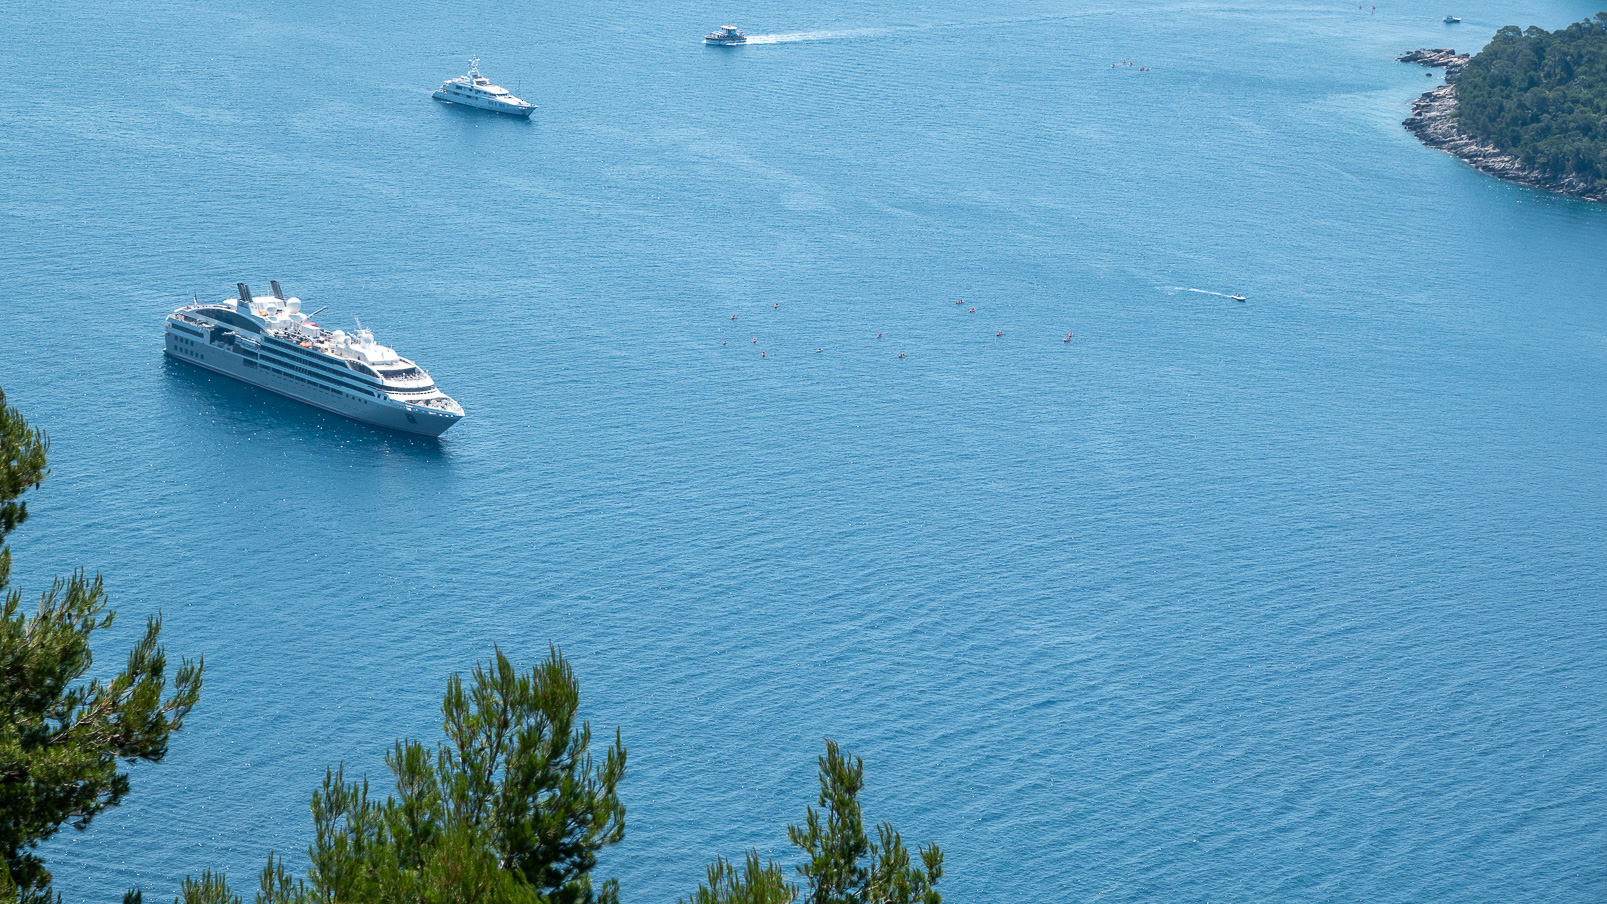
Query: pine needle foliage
[(755, 884), (844, 866), (209, 889), (511, 808), (62, 734), (22, 465)]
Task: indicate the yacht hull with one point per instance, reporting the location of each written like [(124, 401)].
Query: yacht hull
[(386, 413), (524, 113)]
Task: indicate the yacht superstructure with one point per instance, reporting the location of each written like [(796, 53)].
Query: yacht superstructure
[(475, 90), (269, 342)]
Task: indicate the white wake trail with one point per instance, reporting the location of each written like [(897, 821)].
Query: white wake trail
[(1187, 289), (797, 36)]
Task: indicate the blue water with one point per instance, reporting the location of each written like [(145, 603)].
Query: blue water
[(1299, 599)]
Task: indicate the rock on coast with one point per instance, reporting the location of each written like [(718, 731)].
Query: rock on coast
[(1433, 121)]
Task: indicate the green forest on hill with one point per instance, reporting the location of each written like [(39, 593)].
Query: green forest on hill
[(1542, 96)]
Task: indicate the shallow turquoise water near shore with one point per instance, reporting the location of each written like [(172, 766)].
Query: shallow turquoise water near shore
[(1299, 599)]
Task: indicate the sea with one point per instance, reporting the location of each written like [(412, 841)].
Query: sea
[(879, 381)]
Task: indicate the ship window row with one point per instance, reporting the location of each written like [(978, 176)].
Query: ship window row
[(293, 352), (334, 374), (316, 384), (322, 379), (313, 383), (179, 327), (290, 376)]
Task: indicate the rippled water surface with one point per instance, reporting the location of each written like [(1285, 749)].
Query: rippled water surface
[(1295, 599)]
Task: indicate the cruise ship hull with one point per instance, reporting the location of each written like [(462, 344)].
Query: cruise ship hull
[(387, 413), (521, 112)]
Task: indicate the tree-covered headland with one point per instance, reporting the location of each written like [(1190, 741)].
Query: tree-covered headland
[(1541, 96)]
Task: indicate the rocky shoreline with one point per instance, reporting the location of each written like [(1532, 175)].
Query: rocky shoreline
[(1433, 121)]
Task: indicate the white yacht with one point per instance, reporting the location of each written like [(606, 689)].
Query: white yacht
[(269, 342), (725, 37), (475, 90)]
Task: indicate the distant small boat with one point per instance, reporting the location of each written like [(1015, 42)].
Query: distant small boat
[(1236, 297), (1451, 20), (725, 37)]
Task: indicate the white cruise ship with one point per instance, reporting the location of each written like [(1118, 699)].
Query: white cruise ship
[(269, 342), (475, 90)]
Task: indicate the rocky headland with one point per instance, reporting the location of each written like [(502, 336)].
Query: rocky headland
[(1433, 121)]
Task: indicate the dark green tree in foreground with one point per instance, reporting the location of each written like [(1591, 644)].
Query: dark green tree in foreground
[(511, 807), (844, 866), (61, 737)]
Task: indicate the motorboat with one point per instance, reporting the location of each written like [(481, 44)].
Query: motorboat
[(727, 36)]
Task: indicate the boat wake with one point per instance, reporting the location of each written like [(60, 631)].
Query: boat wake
[(799, 36), (1175, 289)]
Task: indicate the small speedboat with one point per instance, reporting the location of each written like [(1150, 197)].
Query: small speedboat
[(727, 36), (1451, 20), (1236, 297)]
